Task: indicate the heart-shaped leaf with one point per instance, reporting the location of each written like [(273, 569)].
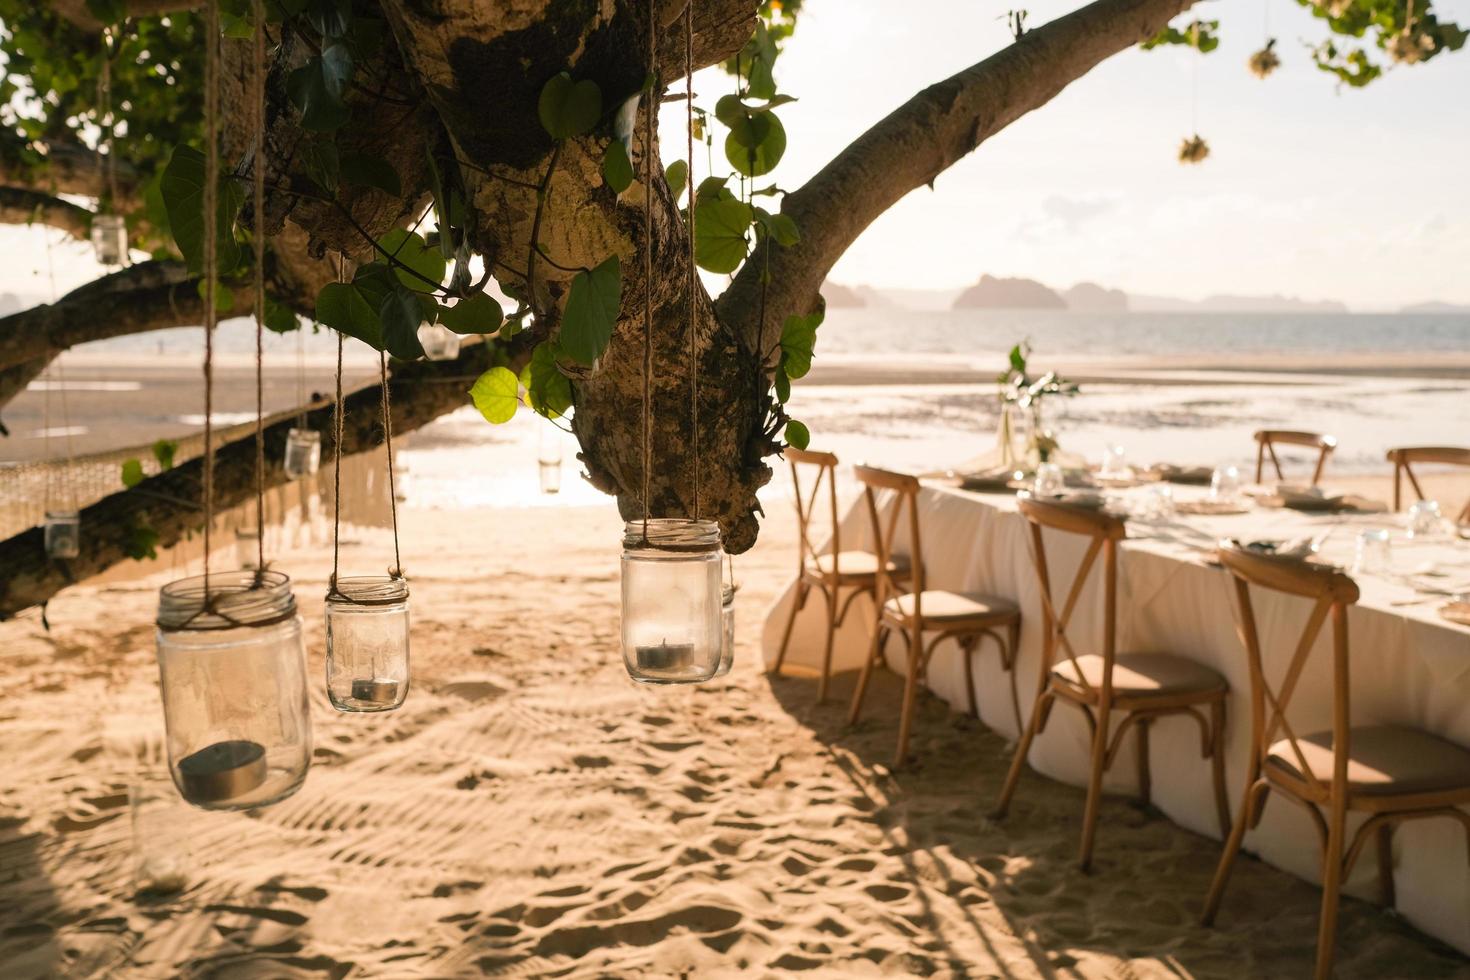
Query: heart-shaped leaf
[(401, 315), (548, 392), (366, 170), (479, 313), (409, 249), (798, 337), (494, 394), (677, 175), (341, 306), (569, 108), (617, 169), (592, 311), (758, 158), (720, 228), (132, 473), (797, 434), (318, 87), (182, 190)]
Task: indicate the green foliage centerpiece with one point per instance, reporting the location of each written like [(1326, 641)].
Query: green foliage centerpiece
[(1019, 390)]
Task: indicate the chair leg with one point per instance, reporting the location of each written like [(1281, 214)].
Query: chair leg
[(1023, 748), (967, 650), (879, 635), (1217, 765), (1227, 857), (1331, 884), (1012, 655), (831, 597), (1385, 864), (797, 605), (1145, 782), (1094, 786), (910, 693)]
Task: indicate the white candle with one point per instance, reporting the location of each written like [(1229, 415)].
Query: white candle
[(222, 771)]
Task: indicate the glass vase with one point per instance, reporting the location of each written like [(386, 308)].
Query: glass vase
[(367, 643), (303, 452), (671, 627), (438, 341), (110, 238), (63, 533), (232, 672)]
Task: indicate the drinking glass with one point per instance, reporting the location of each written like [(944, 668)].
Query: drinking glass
[(1049, 482), (1424, 518), (1159, 504), (1115, 463), (1225, 485), (1375, 554)]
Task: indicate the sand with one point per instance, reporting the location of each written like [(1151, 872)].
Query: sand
[(532, 812)]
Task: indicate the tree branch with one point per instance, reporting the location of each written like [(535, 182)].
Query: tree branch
[(419, 392), (22, 206), (921, 139), (76, 10), (68, 168)]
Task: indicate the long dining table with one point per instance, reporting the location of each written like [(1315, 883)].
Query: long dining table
[(1409, 666)]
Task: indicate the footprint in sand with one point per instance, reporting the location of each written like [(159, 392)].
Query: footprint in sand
[(472, 690)]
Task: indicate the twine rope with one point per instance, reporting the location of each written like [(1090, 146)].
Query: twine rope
[(211, 193), (648, 263), (337, 451), (693, 271), (257, 168), (397, 570)]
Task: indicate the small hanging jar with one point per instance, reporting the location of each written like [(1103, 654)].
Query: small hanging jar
[(367, 643), (63, 534), (727, 629), (247, 548), (303, 453), (548, 458), (438, 341), (110, 238), (671, 600), (232, 671)]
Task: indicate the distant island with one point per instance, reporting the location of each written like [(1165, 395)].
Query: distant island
[(993, 293), (996, 293)]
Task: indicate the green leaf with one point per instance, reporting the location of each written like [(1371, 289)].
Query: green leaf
[(797, 434), (182, 190), (548, 392), (677, 175), (494, 394), (569, 108), (798, 338), (163, 451), (341, 306), (720, 229), (783, 383), (322, 165), (317, 89), (779, 226), (279, 318), (592, 311), (366, 170), (141, 541), (400, 315), (757, 158), (329, 17), (617, 169), (441, 207), (410, 249), (132, 473), (479, 313)]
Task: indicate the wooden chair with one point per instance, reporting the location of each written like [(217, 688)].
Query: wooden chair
[(1268, 439), (833, 571), (1402, 458), (1391, 774), (1143, 687), (967, 617)]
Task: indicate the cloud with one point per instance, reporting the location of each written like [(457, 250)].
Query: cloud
[(1073, 211)]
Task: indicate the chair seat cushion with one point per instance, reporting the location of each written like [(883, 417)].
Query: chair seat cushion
[(859, 564), (1382, 760), (1142, 675), (937, 605)]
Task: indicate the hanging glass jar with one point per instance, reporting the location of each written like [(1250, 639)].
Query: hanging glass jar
[(63, 534), (671, 600), (303, 453), (247, 547), (727, 630), (233, 675), (548, 457), (110, 238), (438, 341), (367, 643)]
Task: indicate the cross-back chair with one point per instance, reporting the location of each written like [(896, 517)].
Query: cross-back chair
[(1268, 439), (1404, 457), (1141, 687), (1389, 773), (966, 617), (827, 572)]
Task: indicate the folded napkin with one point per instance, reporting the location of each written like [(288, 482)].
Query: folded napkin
[(1297, 549)]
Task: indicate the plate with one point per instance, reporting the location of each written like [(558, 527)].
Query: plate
[(1209, 507), (1456, 612)]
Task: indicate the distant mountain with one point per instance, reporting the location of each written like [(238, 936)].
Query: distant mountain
[(875, 298), (840, 297), (1091, 298), (1436, 306), (1009, 294)]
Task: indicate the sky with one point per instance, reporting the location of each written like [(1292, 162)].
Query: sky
[(1310, 190)]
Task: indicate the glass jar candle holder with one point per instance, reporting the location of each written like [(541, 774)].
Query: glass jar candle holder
[(727, 630), (438, 341), (367, 643), (1225, 485), (63, 533), (548, 456), (1424, 518), (110, 238), (303, 453), (232, 672), (671, 628), (247, 547)]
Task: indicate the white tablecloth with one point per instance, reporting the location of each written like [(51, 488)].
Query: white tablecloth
[(1408, 665)]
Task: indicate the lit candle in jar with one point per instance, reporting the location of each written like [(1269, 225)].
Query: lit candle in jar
[(222, 771), (378, 690), (665, 656)]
